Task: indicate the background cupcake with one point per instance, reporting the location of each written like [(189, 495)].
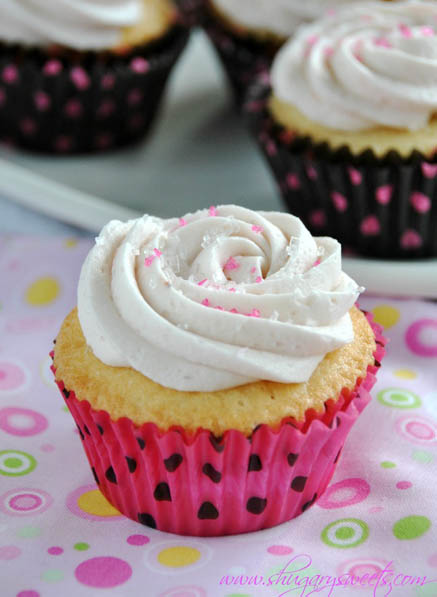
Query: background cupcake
[(214, 367), (349, 127), (87, 76), (248, 33)]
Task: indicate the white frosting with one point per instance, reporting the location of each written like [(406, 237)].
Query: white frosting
[(369, 65), (81, 24), (280, 17), (215, 301)]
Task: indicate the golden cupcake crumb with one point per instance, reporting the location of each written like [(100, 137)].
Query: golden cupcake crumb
[(124, 392)]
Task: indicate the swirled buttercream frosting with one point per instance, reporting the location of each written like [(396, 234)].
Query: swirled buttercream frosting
[(280, 17), (368, 65), (216, 299), (80, 24)]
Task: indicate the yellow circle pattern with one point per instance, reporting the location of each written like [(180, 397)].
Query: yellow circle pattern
[(93, 502), (405, 373), (43, 291), (177, 557), (386, 315), (69, 243)]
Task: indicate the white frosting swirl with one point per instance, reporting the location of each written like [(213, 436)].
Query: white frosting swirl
[(280, 17), (81, 24), (217, 299), (369, 65)]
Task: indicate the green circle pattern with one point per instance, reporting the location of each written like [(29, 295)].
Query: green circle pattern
[(345, 533), (14, 463), (411, 527), (399, 398)]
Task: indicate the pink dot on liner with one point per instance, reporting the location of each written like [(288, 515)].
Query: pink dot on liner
[(375, 509), (279, 550), (103, 572), (137, 540), (9, 552), (404, 484), (432, 560), (55, 551), (47, 447), (28, 594)]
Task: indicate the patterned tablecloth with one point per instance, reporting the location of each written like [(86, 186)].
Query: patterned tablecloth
[(376, 525)]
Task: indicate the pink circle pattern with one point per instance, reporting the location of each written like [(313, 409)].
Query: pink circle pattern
[(12, 376), (417, 430), (344, 493), (25, 502), (34, 422), (103, 572), (415, 341)]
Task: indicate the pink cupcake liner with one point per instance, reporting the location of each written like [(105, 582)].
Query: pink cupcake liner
[(201, 485)]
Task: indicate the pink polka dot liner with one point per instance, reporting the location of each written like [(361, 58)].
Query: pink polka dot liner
[(202, 485), (75, 102), (381, 207)]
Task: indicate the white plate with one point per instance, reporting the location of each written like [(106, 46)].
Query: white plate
[(200, 154)]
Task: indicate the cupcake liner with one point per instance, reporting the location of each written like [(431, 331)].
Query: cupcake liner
[(380, 207), (66, 101), (242, 57), (201, 485), (192, 11)]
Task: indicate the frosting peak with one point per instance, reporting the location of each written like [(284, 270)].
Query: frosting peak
[(368, 65), (216, 299)]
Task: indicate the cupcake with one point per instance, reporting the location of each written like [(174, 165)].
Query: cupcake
[(214, 367), (348, 125), (87, 76), (248, 33)]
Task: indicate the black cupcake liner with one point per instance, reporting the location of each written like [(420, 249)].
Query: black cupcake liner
[(66, 101), (192, 11), (377, 206), (243, 57)]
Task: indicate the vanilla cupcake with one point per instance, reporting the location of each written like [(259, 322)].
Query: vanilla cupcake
[(214, 366), (87, 76), (349, 126), (248, 33)]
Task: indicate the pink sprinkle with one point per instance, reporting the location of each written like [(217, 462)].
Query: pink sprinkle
[(205, 302), (157, 252), (219, 308), (331, 12), (357, 50), (232, 290), (52, 68), (317, 262), (259, 280), (328, 51), (253, 270), (312, 39), (182, 222), (80, 78), (427, 31), (234, 310), (405, 31), (258, 229), (202, 282), (255, 313), (231, 264), (383, 42), (149, 260), (139, 65), (212, 211)]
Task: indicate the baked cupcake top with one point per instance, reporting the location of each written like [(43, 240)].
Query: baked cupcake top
[(368, 65), (84, 24), (216, 299), (278, 17)]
